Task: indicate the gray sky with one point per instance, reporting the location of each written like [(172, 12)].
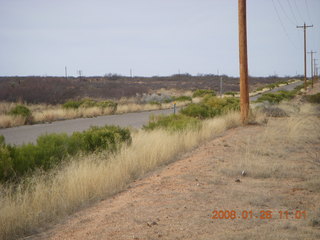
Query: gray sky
[(153, 37)]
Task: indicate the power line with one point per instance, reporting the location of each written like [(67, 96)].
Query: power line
[(308, 12), (285, 13), (299, 13), (291, 9), (283, 27)]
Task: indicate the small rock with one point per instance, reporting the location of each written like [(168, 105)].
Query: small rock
[(243, 173), (237, 180), (150, 224)]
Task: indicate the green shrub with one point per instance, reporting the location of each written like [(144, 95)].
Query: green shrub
[(211, 107), (71, 104), (52, 149), (6, 163), (276, 97), (174, 122), (230, 93), (197, 110), (21, 110), (313, 98), (183, 99), (203, 92), (154, 103), (103, 138), (88, 103)]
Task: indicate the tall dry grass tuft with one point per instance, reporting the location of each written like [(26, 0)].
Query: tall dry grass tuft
[(7, 121), (51, 115), (5, 107), (45, 198)]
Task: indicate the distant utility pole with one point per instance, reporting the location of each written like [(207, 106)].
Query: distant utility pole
[(243, 61), (221, 87), (305, 52), (66, 72), (80, 73), (315, 68), (130, 72), (312, 65)]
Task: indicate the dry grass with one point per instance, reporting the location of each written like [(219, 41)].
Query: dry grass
[(60, 113), (265, 155), (46, 198), (49, 113), (7, 121)]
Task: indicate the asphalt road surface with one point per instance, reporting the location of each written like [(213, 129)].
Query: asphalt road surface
[(285, 87), (29, 133)]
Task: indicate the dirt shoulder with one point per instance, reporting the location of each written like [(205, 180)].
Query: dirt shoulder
[(177, 201)]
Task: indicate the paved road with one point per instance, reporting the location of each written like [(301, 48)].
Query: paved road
[(286, 87), (29, 133)]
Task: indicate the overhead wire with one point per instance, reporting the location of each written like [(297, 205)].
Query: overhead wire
[(293, 14), (283, 27), (308, 12), (285, 13), (299, 13)]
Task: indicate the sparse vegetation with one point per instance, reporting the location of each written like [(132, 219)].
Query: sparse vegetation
[(274, 85), (21, 112), (52, 149), (172, 122), (210, 107), (203, 92), (90, 103), (276, 97), (230, 93), (315, 98)]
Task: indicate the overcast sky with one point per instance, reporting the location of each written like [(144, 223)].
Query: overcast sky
[(153, 37)]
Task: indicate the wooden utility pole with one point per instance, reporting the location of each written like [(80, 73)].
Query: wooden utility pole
[(305, 52), (243, 61), (312, 64), (315, 69)]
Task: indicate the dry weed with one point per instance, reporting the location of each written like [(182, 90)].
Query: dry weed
[(11, 121)]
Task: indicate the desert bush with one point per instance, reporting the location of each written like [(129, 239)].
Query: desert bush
[(276, 97), (274, 112), (20, 110), (102, 138), (315, 98), (197, 110), (183, 99), (89, 103), (230, 93), (174, 122), (72, 104), (155, 103), (211, 107), (203, 92), (52, 149)]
